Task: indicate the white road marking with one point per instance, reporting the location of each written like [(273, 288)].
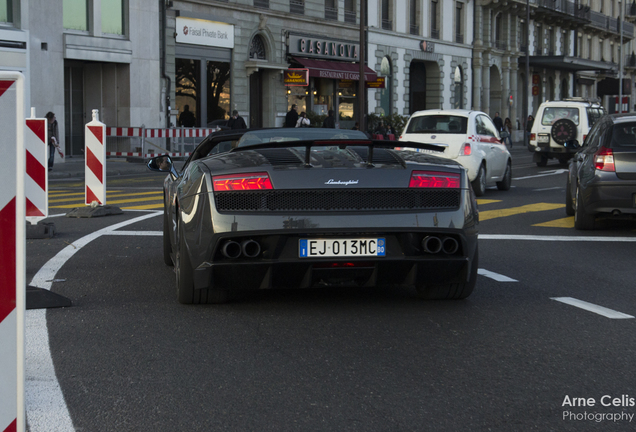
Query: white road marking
[(591, 307), (556, 238), (135, 233), (495, 276), (543, 174), (546, 189), (46, 408)]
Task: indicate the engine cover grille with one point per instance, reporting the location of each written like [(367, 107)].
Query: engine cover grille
[(333, 200)]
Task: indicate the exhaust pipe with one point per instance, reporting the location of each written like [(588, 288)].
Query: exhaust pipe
[(250, 248), (231, 249), (431, 244), (450, 245)]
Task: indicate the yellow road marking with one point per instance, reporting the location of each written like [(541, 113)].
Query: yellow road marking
[(76, 194), (145, 207), (493, 214), (134, 200), (110, 195), (487, 201), (567, 222)]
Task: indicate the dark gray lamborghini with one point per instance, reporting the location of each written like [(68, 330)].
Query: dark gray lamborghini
[(301, 208)]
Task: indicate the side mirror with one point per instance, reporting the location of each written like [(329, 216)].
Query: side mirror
[(572, 144), (160, 163)]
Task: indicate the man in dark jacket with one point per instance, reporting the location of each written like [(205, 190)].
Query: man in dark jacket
[(292, 117), (498, 122), (236, 121), (330, 121)]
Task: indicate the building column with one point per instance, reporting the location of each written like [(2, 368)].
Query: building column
[(485, 85)]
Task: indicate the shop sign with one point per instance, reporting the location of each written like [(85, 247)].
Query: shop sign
[(318, 47), (345, 84), (203, 32), (536, 79), (296, 77), (427, 46)]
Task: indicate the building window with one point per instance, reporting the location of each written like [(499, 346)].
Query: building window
[(112, 12), (331, 10), (435, 19), (387, 21), (75, 14), (6, 11), (459, 22), (385, 93), (539, 41), (458, 88), (414, 9), (350, 11), (522, 36), (297, 7), (257, 49), (500, 42), (261, 4)]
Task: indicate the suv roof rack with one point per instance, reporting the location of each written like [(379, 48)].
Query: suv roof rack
[(581, 99)]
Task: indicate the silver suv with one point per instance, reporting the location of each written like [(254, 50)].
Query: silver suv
[(558, 122)]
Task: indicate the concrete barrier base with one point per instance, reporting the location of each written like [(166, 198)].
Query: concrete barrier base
[(89, 211), (41, 230), (40, 298)]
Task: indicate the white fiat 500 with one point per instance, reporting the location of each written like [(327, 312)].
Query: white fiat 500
[(470, 138)]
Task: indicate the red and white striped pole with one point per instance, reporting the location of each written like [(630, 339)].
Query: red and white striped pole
[(12, 252), (95, 153), (37, 179)]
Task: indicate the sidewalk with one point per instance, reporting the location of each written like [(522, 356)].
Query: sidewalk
[(75, 167)]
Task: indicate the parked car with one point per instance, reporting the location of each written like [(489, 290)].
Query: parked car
[(558, 122), (468, 137), (314, 207), (602, 174)]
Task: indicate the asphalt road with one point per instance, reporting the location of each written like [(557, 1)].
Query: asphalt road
[(511, 357)]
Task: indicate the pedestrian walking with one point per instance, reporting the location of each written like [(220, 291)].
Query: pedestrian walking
[(236, 121), (291, 118), (187, 118), (507, 132), (330, 121), (303, 121), (54, 138), (498, 122)]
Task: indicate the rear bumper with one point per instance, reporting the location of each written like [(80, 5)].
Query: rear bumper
[(610, 197), (549, 151), (279, 265)]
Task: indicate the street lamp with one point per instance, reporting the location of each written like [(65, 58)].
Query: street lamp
[(362, 55)]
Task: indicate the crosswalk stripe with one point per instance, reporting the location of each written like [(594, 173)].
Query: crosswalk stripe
[(155, 194), (493, 214), (108, 202), (144, 207)]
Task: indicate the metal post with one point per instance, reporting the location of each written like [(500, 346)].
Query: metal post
[(361, 58), (526, 96), (620, 61)]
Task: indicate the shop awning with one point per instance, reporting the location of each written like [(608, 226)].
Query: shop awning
[(568, 63), (336, 70)]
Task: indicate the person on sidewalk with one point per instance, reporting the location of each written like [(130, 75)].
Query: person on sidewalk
[(187, 118), (303, 121), (498, 122), (291, 118), (236, 121), (330, 121), (507, 131), (54, 138)]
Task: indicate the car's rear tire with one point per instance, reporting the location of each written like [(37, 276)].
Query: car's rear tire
[(506, 181), (186, 293), (569, 207), (582, 220), (564, 161), (167, 247), (454, 291), (479, 184), (543, 162)]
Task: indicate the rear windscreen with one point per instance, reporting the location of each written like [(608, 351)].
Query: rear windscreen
[(623, 135), (438, 124), (552, 114)]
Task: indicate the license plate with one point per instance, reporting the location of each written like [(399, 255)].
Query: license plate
[(317, 248), (544, 138)]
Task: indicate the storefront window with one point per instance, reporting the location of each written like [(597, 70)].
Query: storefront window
[(385, 93), (75, 14), (218, 85), (187, 82), (6, 11), (347, 103), (298, 95), (322, 96), (458, 81), (112, 16)]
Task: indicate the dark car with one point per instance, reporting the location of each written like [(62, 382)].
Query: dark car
[(302, 208), (602, 175)]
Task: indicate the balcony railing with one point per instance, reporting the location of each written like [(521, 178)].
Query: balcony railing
[(331, 14), (611, 25), (415, 29), (350, 17), (387, 24), (435, 33), (630, 61), (297, 7), (264, 4), (565, 8), (459, 38)]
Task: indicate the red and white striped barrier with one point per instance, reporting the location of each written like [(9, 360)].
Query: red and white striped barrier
[(95, 171), (36, 182), (12, 252), (159, 133)]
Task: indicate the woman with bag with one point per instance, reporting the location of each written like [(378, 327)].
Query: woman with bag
[(507, 131), (303, 121)]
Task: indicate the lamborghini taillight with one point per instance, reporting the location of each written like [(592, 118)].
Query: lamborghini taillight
[(242, 182), (604, 160), (435, 180)]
